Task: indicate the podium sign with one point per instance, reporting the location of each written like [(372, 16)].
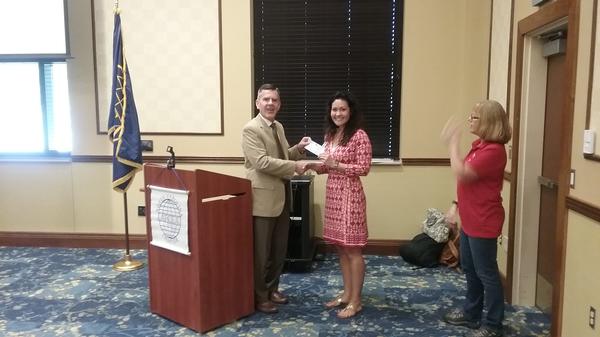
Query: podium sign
[(214, 284), (169, 219)]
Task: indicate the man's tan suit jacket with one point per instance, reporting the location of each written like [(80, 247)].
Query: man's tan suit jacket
[(264, 168)]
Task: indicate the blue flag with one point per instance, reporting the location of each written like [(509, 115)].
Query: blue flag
[(123, 125)]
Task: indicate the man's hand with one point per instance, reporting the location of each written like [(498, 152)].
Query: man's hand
[(300, 167), (303, 142)]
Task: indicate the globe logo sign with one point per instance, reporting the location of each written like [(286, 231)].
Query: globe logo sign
[(169, 218)]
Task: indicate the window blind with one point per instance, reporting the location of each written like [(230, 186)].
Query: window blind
[(311, 49)]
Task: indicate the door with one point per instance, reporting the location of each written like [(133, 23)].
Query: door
[(547, 253)]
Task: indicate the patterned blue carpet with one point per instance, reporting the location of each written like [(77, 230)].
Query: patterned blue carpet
[(75, 292)]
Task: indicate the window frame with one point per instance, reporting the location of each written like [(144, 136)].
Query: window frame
[(41, 60)]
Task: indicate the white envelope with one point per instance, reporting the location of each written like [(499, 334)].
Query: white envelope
[(315, 148)]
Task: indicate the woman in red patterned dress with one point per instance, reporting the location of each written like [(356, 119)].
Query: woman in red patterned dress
[(347, 156)]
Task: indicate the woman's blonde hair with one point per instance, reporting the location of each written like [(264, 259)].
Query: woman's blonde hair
[(493, 122)]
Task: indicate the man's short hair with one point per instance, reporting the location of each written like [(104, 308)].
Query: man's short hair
[(267, 86)]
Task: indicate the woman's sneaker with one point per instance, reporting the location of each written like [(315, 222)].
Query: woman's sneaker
[(458, 317), (485, 331)]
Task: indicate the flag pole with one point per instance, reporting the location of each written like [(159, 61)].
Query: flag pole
[(127, 263)]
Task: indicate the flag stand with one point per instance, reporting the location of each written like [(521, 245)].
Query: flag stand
[(127, 263), (127, 150)]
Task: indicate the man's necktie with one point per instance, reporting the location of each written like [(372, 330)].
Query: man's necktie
[(279, 147)]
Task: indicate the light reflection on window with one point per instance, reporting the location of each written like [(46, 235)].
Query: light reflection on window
[(24, 126), (59, 117), (21, 129)]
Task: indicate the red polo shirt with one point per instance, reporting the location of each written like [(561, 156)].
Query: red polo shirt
[(479, 201)]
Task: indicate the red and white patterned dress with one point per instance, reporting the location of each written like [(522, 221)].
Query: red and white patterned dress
[(345, 202)]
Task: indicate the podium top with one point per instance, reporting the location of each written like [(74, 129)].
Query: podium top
[(201, 183), (302, 178)]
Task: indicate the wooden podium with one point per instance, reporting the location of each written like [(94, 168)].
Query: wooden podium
[(214, 285)]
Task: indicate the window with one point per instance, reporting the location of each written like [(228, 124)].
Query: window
[(34, 101), (311, 49)]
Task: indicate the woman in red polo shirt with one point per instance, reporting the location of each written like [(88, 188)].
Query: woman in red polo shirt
[(479, 183)]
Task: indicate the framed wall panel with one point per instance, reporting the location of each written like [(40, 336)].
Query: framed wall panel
[(593, 108), (173, 51), (500, 51)]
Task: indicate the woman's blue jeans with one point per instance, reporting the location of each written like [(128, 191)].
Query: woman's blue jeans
[(478, 261)]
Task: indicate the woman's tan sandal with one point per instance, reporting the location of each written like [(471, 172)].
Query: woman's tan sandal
[(350, 311), (336, 302)]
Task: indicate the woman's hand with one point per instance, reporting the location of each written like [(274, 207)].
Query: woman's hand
[(328, 160), (451, 137), (451, 216), (451, 132), (313, 165)]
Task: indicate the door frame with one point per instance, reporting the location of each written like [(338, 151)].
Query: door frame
[(526, 97)]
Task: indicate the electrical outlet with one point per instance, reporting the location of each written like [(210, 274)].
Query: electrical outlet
[(141, 210), (147, 145), (592, 318)]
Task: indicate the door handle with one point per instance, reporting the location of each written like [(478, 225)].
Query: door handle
[(547, 182)]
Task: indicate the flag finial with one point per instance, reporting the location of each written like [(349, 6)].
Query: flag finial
[(116, 9)]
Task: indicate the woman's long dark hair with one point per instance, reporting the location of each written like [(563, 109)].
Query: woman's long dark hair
[(354, 123)]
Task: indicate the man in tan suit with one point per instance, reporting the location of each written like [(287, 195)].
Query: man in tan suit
[(270, 162)]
